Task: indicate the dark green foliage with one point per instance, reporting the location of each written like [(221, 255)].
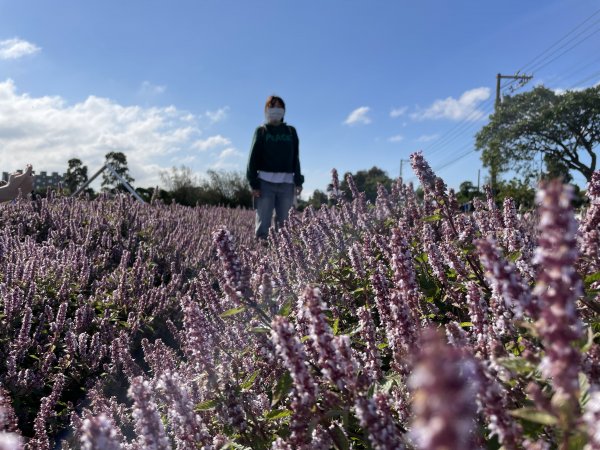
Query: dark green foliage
[(110, 183), (564, 128), (76, 176), (366, 181), (218, 188)]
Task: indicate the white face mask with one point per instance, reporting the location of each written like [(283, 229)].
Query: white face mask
[(274, 114)]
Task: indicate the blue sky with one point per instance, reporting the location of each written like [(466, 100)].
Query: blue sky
[(184, 82)]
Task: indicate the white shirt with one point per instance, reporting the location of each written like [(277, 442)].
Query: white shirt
[(276, 177)]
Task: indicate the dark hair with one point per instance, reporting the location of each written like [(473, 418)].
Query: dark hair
[(272, 100)]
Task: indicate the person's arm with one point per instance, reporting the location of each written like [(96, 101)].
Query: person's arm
[(251, 170), (298, 177)]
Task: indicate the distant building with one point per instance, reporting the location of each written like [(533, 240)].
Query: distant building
[(42, 180)]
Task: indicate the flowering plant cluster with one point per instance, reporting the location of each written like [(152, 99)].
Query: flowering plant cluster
[(400, 324)]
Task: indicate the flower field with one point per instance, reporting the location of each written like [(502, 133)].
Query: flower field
[(400, 324)]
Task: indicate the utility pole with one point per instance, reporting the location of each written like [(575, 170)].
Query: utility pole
[(494, 161), (499, 77), (402, 161)]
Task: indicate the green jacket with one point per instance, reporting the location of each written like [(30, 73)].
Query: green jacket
[(275, 148)]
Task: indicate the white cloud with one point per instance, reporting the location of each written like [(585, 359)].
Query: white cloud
[(148, 89), (47, 132), (397, 112), (427, 137), (16, 48), (463, 108), (229, 159), (211, 142), (359, 115), (218, 115), (397, 138)]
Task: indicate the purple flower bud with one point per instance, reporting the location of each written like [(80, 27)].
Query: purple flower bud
[(444, 389)]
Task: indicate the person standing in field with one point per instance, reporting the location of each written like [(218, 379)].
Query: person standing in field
[(274, 167)]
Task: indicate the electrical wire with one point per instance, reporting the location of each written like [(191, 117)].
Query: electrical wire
[(542, 56)]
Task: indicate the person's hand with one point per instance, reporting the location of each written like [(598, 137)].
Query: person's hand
[(298, 190), (255, 193)]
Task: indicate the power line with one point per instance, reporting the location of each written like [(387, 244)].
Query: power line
[(574, 71), (541, 61), (541, 55), (461, 127), (545, 62), (567, 50), (579, 83)]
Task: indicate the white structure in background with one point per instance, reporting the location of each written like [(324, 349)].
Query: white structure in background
[(116, 175), (42, 180)]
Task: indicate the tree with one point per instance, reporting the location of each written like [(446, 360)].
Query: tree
[(110, 183), (467, 191), (520, 191), (182, 185), (366, 181), (217, 188), (225, 188), (563, 127), (76, 176), (318, 198)]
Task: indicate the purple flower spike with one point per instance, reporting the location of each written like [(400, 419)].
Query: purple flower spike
[(375, 416), (148, 425), (444, 389), (294, 358), (558, 288), (423, 171), (98, 433), (591, 417), (10, 441), (505, 279)]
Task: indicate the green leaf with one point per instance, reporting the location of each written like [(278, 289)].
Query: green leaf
[(432, 218), (278, 414), (466, 324), (577, 441), (34, 357), (517, 364), (514, 256), (591, 337), (339, 438), (249, 381), (206, 405), (382, 345), (534, 415), (336, 326), (283, 386), (591, 279), (232, 312), (390, 381), (260, 330), (286, 309), (584, 389)]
